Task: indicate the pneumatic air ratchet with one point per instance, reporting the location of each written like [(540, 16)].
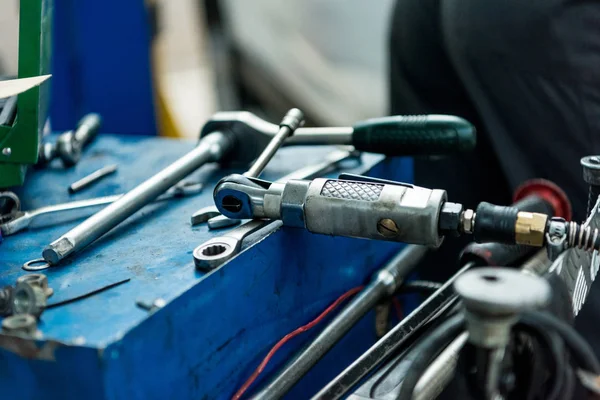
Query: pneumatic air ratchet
[(364, 207)]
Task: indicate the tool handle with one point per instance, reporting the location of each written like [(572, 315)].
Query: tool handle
[(87, 128), (414, 135)]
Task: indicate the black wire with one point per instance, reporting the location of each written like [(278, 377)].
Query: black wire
[(426, 350), (550, 341), (88, 294), (579, 348)]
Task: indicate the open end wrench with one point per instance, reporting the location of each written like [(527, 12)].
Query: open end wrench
[(215, 252), (20, 220)]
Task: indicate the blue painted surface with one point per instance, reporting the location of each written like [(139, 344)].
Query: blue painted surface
[(216, 327), (101, 63)]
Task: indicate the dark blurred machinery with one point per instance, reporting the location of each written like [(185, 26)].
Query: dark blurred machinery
[(487, 333)]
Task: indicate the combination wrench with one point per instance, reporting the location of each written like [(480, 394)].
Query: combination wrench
[(20, 220), (216, 251)]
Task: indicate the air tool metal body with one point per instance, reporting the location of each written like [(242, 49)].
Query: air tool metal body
[(370, 208)]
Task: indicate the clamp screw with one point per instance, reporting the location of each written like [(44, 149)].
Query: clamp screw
[(7, 151), (387, 228)]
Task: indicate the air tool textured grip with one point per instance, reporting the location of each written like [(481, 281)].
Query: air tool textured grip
[(414, 135)]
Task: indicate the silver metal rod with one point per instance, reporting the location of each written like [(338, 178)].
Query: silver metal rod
[(291, 121), (210, 149), (440, 372), (385, 283), (308, 136), (439, 301), (93, 177)]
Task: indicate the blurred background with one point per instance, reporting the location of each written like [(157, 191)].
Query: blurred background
[(162, 67)]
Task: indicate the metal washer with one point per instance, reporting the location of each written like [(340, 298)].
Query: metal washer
[(29, 265)]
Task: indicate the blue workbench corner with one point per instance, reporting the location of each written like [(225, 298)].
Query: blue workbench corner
[(215, 327)]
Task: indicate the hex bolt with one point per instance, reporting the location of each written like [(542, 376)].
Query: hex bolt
[(28, 299), (7, 151), (493, 298), (39, 280), (22, 324), (387, 228), (591, 174)]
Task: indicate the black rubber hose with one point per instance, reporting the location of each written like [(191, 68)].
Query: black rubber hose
[(579, 348), (549, 341), (426, 350)]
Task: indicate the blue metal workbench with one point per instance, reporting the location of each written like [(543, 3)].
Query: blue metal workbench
[(215, 328)]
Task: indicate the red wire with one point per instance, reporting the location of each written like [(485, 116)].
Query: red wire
[(289, 336)]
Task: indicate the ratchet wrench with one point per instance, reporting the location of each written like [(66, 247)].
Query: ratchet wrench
[(216, 251), (20, 220)]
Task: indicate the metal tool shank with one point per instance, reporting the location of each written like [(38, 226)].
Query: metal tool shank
[(209, 149), (385, 282)]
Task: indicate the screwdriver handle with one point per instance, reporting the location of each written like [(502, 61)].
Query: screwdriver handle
[(414, 135)]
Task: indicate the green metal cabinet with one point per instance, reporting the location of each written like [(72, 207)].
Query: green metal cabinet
[(19, 142)]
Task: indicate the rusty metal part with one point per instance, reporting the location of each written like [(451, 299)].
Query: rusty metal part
[(39, 280), (28, 299)]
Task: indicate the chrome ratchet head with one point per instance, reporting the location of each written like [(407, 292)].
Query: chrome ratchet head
[(239, 197), (251, 135)]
